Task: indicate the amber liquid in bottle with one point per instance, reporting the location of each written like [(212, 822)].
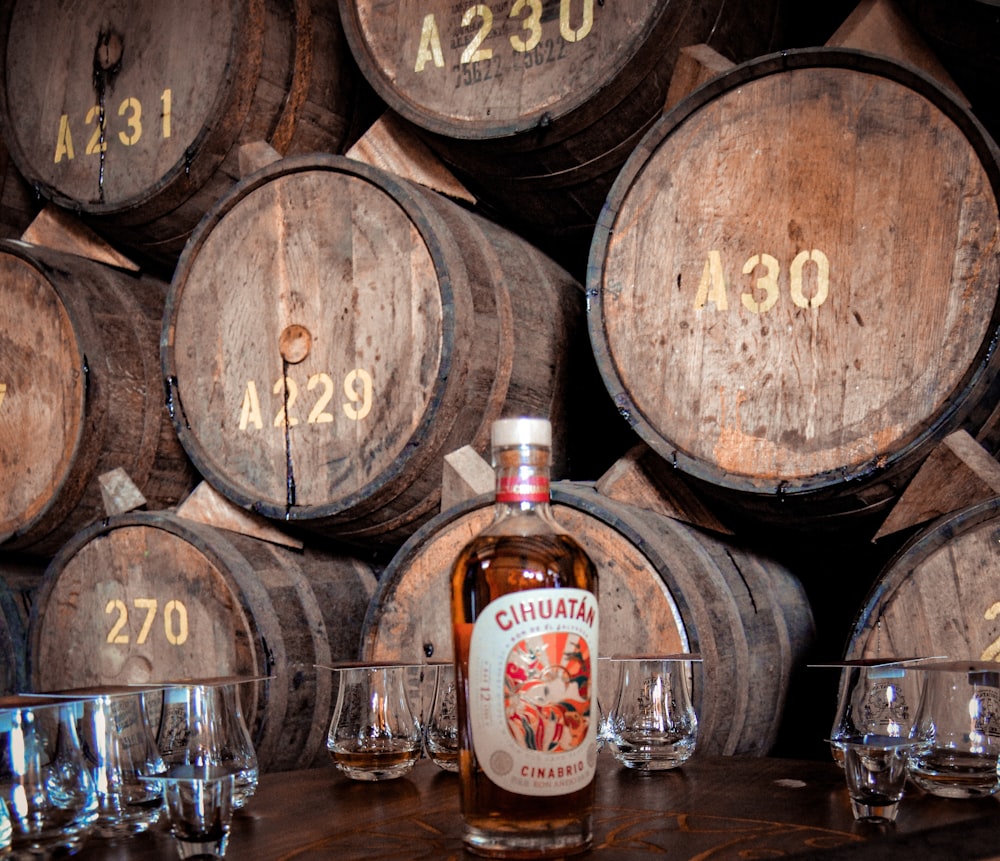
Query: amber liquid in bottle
[(523, 549)]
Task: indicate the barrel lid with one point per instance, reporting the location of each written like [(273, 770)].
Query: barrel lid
[(830, 315)]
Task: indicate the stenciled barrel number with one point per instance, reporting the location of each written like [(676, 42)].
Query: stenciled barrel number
[(807, 266), (576, 20), (175, 621), (130, 132), (992, 651), (357, 387)]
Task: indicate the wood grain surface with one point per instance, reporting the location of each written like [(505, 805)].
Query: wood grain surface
[(321, 374), (80, 394), (795, 279), (179, 87), (939, 594), (720, 808), (665, 587), (152, 597), (536, 105)]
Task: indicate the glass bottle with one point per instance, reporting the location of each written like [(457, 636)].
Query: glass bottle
[(525, 626)]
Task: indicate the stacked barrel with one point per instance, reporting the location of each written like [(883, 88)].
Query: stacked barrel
[(280, 260)]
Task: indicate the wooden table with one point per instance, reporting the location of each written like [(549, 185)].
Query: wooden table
[(712, 808)]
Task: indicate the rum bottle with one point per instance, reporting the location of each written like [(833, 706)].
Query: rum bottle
[(525, 625)]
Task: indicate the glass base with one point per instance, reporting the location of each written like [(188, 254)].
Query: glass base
[(524, 843), (868, 812), (210, 848), (645, 764)]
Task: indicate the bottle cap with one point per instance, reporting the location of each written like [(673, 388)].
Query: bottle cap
[(522, 431)]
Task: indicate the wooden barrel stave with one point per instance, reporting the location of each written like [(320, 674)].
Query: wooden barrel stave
[(82, 394), (525, 119), (785, 413), (665, 587), (452, 322), (190, 86), (938, 594), (241, 606)]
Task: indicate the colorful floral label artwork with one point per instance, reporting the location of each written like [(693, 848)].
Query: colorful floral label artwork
[(547, 692)]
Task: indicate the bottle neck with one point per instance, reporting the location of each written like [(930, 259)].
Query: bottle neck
[(522, 479)]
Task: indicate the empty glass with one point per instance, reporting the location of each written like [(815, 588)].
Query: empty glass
[(956, 731), (877, 697), (201, 724), (373, 733), (120, 750), (652, 725), (47, 788), (441, 727), (608, 679), (875, 768), (198, 801)]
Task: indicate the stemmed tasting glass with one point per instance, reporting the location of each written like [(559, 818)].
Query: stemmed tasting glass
[(47, 788), (201, 724)]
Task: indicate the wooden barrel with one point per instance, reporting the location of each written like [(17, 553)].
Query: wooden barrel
[(665, 587), (138, 125), (939, 594), (332, 332), (150, 597), (537, 109), (822, 304), (965, 36), (18, 202), (80, 394), (19, 579)]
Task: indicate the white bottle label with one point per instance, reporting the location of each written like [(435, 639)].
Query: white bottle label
[(533, 688)]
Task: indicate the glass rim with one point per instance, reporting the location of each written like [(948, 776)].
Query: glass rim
[(378, 665), (876, 662), (216, 774), (33, 702), (879, 742)]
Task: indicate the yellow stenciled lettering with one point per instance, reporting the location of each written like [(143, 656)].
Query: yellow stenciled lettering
[(175, 623), (166, 99), (116, 605), (822, 278), (133, 108), (586, 25), (3, 391), (473, 53), (992, 651), (355, 410), (250, 414), (149, 605), (768, 283), (430, 45), (532, 23), (64, 140), (318, 414), (284, 416), (712, 287), (97, 143)]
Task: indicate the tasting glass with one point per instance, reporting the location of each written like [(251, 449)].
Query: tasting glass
[(46, 787), (652, 723), (877, 697), (956, 731), (441, 726), (198, 802), (201, 724), (875, 769), (119, 749), (373, 732), (608, 679)]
